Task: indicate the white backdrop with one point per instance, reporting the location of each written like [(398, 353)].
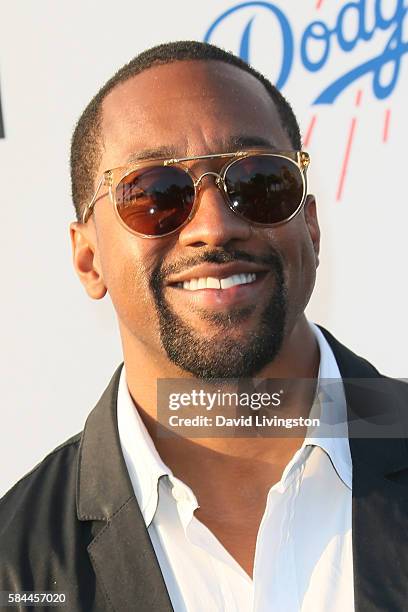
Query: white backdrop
[(59, 348)]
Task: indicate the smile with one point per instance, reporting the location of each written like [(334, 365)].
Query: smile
[(236, 290), (209, 282)]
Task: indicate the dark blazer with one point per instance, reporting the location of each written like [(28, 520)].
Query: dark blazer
[(73, 525)]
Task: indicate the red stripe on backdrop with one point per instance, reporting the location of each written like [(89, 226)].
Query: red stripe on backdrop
[(310, 130), (346, 159), (386, 124)]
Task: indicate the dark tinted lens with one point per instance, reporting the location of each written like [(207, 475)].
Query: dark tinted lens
[(155, 200), (264, 189)]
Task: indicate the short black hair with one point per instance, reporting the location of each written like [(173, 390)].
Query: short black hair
[(87, 140)]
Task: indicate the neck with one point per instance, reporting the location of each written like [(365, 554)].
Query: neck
[(297, 359)]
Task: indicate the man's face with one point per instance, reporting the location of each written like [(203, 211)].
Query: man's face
[(185, 109)]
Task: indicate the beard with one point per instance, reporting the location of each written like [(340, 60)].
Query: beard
[(222, 356)]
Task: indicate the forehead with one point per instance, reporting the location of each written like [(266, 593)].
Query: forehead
[(188, 108)]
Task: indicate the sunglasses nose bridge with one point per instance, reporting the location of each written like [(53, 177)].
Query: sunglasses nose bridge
[(219, 181)]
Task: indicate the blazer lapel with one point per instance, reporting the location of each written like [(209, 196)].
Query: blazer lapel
[(121, 552), (380, 489)]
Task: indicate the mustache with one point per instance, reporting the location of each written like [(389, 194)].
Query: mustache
[(272, 260)]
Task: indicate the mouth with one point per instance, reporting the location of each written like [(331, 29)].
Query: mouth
[(211, 282), (226, 291)]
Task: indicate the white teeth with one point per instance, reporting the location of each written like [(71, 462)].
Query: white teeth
[(214, 283), (227, 282)]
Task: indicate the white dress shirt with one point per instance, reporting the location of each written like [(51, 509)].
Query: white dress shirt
[(303, 557)]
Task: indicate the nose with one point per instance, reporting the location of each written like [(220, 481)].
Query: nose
[(214, 223)]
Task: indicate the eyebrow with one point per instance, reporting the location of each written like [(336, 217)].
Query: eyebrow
[(226, 146), (159, 153), (242, 142)]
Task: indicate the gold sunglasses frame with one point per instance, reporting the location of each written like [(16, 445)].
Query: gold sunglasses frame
[(112, 178)]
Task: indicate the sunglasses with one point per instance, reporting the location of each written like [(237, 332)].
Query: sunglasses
[(153, 198)]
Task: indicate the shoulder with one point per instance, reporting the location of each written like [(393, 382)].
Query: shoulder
[(352, 365), (56, 469), (37, 515), (370, 393)]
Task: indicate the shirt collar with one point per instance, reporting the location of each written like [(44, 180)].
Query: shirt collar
[(143, 462), (333, 410)]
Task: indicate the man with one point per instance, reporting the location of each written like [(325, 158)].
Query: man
[(192, 213)]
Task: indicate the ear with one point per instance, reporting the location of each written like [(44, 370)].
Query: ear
[(86, 259), (312, 223)]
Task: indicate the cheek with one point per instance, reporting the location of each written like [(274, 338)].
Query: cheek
[(308, 266), (303, 272), (126, 264), (294, 243)]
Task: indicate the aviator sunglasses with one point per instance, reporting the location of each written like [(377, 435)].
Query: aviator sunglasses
[(153, 198)]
